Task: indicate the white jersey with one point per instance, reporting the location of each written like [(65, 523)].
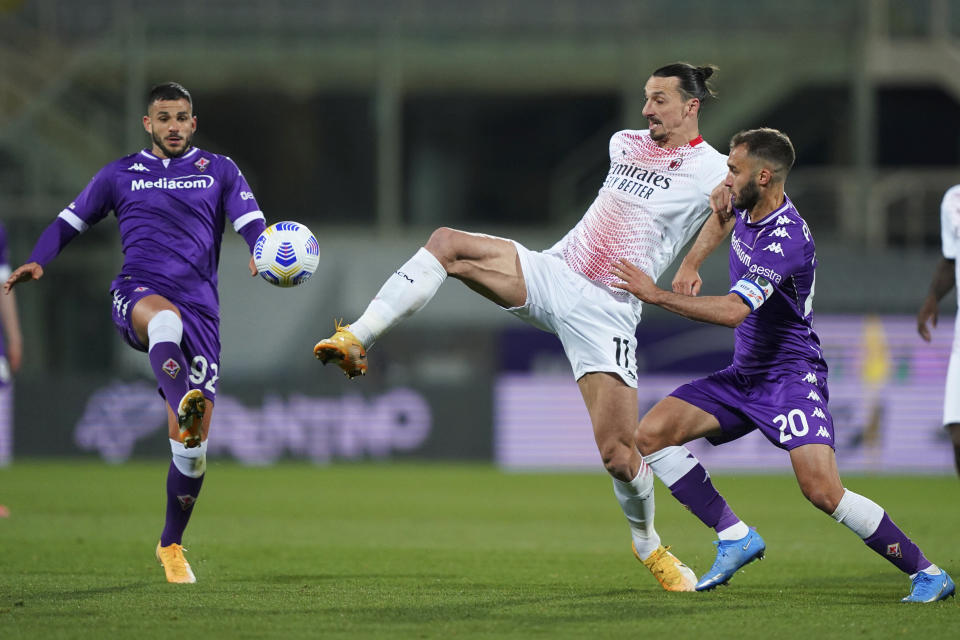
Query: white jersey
[(652, 202), (950, 228)]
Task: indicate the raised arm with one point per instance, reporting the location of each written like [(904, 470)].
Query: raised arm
[(687, 279), (729, 310)]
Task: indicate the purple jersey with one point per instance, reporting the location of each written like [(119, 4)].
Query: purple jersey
[(171, 214), (772, 266)]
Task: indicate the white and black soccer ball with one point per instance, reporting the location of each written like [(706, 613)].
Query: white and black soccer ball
[(286, 254)]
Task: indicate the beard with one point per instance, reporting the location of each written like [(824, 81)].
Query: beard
[(170, 153), (748, 196)]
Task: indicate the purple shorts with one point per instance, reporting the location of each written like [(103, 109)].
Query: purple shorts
[(789, 406), (201, 335)]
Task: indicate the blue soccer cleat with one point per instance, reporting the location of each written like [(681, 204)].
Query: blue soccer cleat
[(928, 588), (731, 556)]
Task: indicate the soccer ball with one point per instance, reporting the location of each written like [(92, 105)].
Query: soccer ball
[(286, 254)]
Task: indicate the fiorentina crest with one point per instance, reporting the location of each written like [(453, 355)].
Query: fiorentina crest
[(201, 164), (186, 501), (893, 550), (171, 368)]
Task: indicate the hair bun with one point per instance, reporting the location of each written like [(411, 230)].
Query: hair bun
[(706, 72)]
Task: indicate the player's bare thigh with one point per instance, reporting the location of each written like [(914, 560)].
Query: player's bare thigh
[(612, 405), (145, 309), (815, 466), (671, 422), (173, 426), (488, 265)]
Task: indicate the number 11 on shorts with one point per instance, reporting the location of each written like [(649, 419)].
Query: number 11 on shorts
[(623, 347)]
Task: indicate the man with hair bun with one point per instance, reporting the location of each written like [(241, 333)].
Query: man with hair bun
[(777, 383), (656, 195)]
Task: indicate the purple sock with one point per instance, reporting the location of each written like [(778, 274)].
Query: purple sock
[(894, 545), (182, 492), (695, 491), (170, 369)]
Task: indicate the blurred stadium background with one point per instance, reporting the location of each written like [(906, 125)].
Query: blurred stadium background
[(375, 121)]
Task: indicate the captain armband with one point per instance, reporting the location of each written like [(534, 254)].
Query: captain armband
[(754, 291)]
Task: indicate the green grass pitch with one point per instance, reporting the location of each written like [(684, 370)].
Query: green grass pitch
[(439, 551)]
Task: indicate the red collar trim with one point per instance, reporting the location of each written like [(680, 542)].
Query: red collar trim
[(696, 141)]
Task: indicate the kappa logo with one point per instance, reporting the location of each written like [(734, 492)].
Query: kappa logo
[(171, 368), (136, 166), (780, 232), (186, 501), (774, 247), (201, 164), (784, 220), (818, 413), (812, 379), (813, 396), (893, 550), (822, 432)]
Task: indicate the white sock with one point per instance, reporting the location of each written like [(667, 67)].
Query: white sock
[(404, 293), (190, 462), (164, 326), (736, 531), (671, 463), (636, 500), (861, 515)]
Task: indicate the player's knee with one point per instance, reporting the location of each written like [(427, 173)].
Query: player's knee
[(617, 459), (442, 244), (165, 326), (190, 462), (651, 437), (823, 498)]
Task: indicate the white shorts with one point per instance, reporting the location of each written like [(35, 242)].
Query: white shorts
[(597, 329), (951, 395)]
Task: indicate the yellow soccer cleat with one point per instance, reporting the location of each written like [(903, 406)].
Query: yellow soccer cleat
[(344, 350), (672, 574), (190, 417), (175, 564)]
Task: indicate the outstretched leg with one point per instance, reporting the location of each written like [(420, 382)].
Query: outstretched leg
[(816, 468), (490, 266)]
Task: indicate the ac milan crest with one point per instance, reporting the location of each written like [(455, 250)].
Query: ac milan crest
[(893, 550), (171, 368), (201, 164), (675, 164)]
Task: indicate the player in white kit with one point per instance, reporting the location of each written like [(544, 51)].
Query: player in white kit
[(945, 277), (655, 197)]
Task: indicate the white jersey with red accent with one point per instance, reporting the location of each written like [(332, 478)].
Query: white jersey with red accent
[(651, 203)]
